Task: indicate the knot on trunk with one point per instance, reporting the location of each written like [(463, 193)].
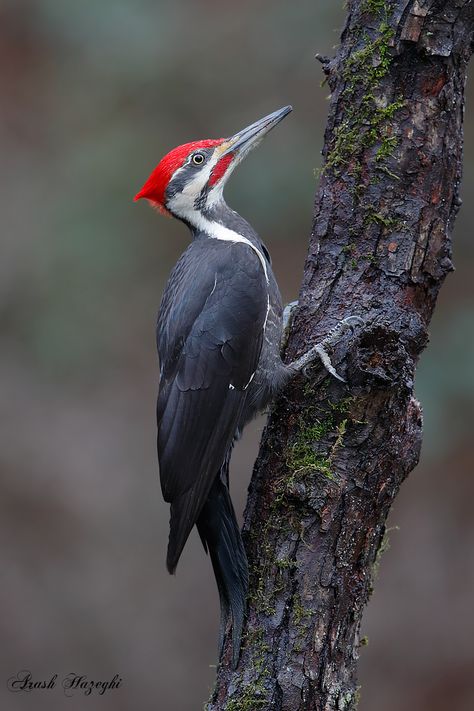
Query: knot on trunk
[(381, 359)]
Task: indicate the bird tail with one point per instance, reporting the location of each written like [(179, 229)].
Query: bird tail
[(221, 537)]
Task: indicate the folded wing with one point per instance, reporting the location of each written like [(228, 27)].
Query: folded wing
[(210, 333)]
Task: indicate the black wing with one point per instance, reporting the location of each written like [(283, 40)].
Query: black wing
[(210, 332)]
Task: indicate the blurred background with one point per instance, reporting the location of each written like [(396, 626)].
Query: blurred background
[(93, 94)]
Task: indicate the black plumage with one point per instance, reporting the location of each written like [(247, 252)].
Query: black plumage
[(210, 334)]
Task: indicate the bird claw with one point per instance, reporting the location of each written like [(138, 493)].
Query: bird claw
[(326, 361), (319, 350), (350, 322)]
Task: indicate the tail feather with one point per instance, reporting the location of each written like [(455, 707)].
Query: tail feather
[(220, 535), (181, 524)]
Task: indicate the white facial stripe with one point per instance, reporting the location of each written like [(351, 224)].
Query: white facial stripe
[(215, 193), (181, 201), (193, 189)]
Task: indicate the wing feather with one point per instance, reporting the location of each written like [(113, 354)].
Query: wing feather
[(210, 333)]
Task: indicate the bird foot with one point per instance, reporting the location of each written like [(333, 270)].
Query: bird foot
[(320, 349)]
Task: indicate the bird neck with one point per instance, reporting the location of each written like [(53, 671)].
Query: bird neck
[(219, 221)]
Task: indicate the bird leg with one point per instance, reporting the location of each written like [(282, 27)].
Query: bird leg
[(320, 349)]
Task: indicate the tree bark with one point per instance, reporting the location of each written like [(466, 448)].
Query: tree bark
[(333, 456)]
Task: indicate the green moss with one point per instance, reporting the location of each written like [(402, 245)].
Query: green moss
[(249, 700), (301, 618), (360, 130), (367, 115), (285, 563), (367, 66), (269, 573), (263, 601), (379, 219), (342, 406), (253, 694), (301, 457), (373, 6), (250, 697), (341, 431), (386, 148), (301, 614), (349, 247)]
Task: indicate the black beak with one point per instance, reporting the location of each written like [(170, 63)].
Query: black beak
[(249, 137)]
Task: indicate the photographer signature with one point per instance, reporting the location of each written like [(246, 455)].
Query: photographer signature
[(71, 683)]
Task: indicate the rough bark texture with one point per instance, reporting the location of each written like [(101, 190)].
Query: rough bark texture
[(333, 456)]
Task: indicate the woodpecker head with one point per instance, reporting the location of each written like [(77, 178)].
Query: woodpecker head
[(191, 177)]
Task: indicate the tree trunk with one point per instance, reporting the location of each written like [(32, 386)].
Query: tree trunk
[(333, 456)]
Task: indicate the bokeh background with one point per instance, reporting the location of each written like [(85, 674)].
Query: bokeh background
[(92, 94)]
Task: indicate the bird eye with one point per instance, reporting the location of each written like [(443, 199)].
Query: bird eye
[(198, 159)]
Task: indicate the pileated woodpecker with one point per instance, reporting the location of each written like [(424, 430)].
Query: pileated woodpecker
[(218, 334)]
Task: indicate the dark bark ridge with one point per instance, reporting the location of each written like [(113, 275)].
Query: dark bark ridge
[(333, 456)]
